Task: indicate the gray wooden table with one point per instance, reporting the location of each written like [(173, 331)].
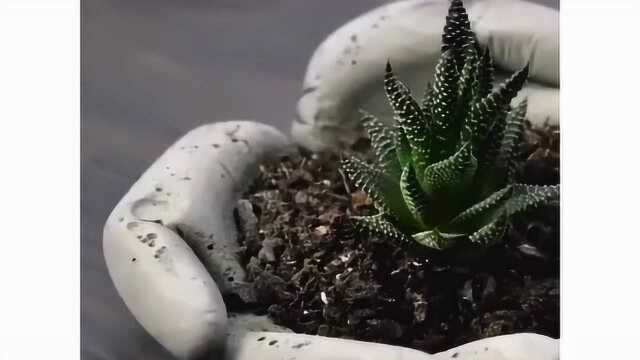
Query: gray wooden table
[(152, 70)]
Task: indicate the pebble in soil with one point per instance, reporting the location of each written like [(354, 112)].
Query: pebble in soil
[(311, 274)]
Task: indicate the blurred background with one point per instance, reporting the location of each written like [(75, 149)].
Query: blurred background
[(151, 71)]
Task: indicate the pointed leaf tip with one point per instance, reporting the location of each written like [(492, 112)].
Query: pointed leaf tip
[(436, 239), (492, 233)]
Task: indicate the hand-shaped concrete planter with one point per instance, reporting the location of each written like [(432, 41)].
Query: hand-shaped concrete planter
[(170, 247), (170, 243)]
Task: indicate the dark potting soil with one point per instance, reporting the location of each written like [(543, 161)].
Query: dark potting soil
[(313, 274)]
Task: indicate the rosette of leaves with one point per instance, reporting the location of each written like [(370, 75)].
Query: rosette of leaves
[(445, 170)]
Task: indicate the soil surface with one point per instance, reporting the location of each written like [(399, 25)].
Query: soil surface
[(312, 274)]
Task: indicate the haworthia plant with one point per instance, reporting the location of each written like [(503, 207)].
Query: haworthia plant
[(444, 172)]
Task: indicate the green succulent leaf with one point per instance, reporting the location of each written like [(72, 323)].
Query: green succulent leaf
[(484, 112), (451, 175), (467, 86), (410, 117), (372, 180), (443, 105), (427, 98), (436, 239), (491, 233), (513, 136), (416, 199), (457, 35), (483, 212), (401, 144), (527, 197), (488, 177), (379, 225), (485, 75), (381, 137), (493, 142), (380, 187)]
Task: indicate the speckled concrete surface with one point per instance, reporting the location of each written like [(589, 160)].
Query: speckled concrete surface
[(151, 71)]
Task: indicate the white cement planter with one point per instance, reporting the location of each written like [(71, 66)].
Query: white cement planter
[(170, 249), (170, 243)]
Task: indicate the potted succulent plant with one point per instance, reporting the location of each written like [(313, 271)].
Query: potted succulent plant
[(411, 260)]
